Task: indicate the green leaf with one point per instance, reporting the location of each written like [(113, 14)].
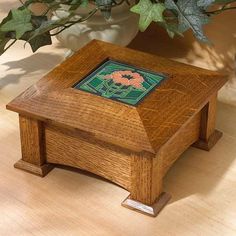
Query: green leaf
[(45, 26), (48, 25), (171, 28), (3, 43), (19, 23), (205, 3), (148, 12), (77, 3), (5, 37), (190, 16), (39, 40)]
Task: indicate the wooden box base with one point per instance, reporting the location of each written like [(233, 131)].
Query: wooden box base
[(207, 145), (41, 171), (141, 173), (152, 210)]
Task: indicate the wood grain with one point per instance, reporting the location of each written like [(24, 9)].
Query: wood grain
[(178, 98), (32, 147), (41, 170), (102, 159), (32, 144), (202, 184), (150, 210), (172, 150), (132, 146), (142, 180), (147, 172), (208, 119), (208, 135)]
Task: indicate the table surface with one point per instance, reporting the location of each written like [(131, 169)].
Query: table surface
[(71, 202)]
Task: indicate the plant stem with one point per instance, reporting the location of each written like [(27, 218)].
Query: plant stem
[(9, 45), (50, 8), (220, 10), (75, 22), (21, 2)]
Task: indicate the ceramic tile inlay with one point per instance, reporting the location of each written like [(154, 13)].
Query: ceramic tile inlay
[(120, 82)]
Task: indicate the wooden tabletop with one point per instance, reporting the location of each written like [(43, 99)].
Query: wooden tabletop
[(202, 183)]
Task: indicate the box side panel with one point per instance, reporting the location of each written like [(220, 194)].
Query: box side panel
[(185, 137), (71, 149)]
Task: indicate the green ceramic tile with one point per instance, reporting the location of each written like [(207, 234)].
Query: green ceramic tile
[(121, 82)]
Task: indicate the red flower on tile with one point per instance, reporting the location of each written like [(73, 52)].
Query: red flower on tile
[(127, 78)]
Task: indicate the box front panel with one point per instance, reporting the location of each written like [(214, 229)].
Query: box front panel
[(69, 148)]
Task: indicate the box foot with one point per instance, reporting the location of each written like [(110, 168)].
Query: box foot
[(152, 210), (207, 145), (34, 169)]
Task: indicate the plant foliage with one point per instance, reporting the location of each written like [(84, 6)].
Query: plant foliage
[(176, 16)]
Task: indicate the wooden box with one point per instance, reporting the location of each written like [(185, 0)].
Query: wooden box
[(121, 114)]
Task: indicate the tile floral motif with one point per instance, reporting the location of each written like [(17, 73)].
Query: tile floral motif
[(120, 82)]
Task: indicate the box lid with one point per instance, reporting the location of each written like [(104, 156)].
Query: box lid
[(143, 125)]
